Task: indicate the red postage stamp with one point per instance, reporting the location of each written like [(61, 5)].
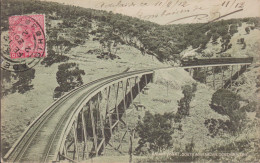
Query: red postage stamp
[(27, 36)]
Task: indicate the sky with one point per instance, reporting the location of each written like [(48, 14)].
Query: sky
[(174, 11)]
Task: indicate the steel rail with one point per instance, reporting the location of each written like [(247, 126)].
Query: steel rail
[(91, 93), (57, 102), (37, 123), (82, 100), (35, 126)]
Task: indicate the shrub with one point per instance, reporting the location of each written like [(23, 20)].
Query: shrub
[(247, 29), (184, 103), (68, 77), (199, 75), (250, 107), (52, 58), (215, 126), (24, 81), (227, 103), (240, 41), (154, 132), (226, 99), (244, 145)]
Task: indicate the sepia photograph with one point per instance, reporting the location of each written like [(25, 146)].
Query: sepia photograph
[(130, 81)]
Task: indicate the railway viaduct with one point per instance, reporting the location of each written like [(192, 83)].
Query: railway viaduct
[(82, 123)]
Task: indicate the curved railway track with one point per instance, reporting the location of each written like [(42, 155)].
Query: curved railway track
[(81, 101), (20, 149), (43, 138)]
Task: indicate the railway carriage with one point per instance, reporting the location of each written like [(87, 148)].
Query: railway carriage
[(211, 61)]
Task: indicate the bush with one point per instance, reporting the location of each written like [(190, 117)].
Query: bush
[(215, 126), (247, 29), (240, 41), (52, 58), (68, 78), (184, 103), (199, 75), (154, 132), (247, 146), (250, 107), (168, 156), (226, 102), (24, 82), (226, 99), (244, 46)]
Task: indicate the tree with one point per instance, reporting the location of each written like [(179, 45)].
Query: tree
[(207, 54), (23, 81), (184, 103), (226, 43), (215, 37), (227, 103), (247, 29), (68, 77), (154, 132), (61, 45), (109, 42), (226, 99), (199, 75), (53, 58), (233, 29)]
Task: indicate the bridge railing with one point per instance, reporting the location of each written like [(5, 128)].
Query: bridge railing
[(143, 79), (76, 119)]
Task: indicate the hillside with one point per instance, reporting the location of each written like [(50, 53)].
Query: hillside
[(248, 47), (165, 42), (102, 43), (66, 28), (20, 112)]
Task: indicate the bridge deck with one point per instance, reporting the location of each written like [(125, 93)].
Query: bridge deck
[(40, 141), (39, 145)]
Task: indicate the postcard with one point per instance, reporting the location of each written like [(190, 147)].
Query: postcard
[(130, 81)]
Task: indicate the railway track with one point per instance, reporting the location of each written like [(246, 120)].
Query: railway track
[(44, 136), (81, 100), (20, 149)]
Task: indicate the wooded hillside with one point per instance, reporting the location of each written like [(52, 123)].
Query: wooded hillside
[(165, 42)]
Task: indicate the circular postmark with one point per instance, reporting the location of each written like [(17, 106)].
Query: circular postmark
[(26, 43)]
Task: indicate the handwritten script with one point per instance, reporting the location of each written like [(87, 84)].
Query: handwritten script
[(175, 11)]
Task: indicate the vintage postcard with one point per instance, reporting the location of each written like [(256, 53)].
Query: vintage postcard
[(130, 81)]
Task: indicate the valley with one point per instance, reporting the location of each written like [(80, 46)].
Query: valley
[(92, 44)]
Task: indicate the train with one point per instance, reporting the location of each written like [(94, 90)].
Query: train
[(212, 61)]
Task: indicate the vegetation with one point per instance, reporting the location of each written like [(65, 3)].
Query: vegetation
[(154, 132), (53, 58), (68, 78), (184, 103), (227, 103), (239, 147), (247, 29), (73, 26), (22, 81), (164, 42), (199, 75), (109, 42), (182, 155)]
